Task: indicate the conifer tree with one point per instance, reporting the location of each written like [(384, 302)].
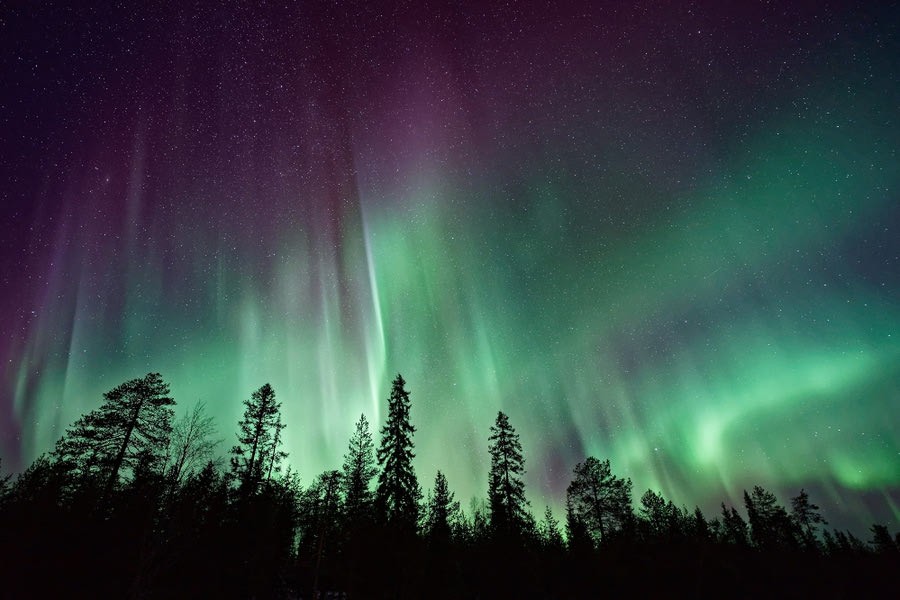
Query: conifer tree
[(699, 526), (769, 523), (506, 489), (259, 437), (274, 456), (441, 509), (807, 516), (320, 513), (358, 471), (397, 495), (479, 527), (550, 535), (734, 528), (132, 425), (601, 500), (578, 539), (882, 542)]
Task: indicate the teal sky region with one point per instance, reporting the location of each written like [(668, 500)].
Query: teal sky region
[(665, 236)]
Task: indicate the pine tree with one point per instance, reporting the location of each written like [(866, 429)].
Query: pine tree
[(807, 516), (397, 495), (133, 424), (577, 536), (506, 489), (274, 456), (734, 528), (321, 511), (653, 512), (259, 437), (882, 542), (601, 500), (699, 526), (831, 546), (770, 525), (551, 537), (479, 530), (359, 470), (440, 511)]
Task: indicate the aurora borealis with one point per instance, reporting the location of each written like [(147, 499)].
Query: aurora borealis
[(666, 235)]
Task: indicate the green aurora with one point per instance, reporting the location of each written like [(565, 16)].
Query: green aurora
[(707, 322)]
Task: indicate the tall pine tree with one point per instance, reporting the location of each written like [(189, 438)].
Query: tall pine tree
[(257, 456), (132, 425), (397, 495), (506, 490)]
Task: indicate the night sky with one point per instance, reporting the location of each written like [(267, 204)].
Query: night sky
[(664, 234)]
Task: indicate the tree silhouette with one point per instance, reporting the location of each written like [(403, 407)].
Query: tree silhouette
[(661, 517), (191, 445), (5, 485), (358, 471), (578, 538), (550, 535), (831, 546), (274, 456), (172, 525), (600, 500), (770, 526), (259, 436), (440, 510), (133, 423), (734, 528), (397, 495), (506, 490), (479, 523), (882, 542), (807, 516), (699, 526), (321, 509)]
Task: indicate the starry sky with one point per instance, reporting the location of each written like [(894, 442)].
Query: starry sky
[(666, 234)]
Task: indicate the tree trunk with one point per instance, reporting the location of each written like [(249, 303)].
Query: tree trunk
[(120, 456)]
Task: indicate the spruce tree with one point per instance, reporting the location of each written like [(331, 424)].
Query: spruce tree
[(734, 528), (397, 495), (550, 535), (441, 509), (882, 542), (358, 472), (259, 436), (699, 527), (506, 489)]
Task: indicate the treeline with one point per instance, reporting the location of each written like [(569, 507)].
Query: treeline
[(134, 503)]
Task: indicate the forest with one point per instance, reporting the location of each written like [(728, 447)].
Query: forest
[(134, 503)]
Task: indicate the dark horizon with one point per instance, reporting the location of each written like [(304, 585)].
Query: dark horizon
[(134, 503)]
